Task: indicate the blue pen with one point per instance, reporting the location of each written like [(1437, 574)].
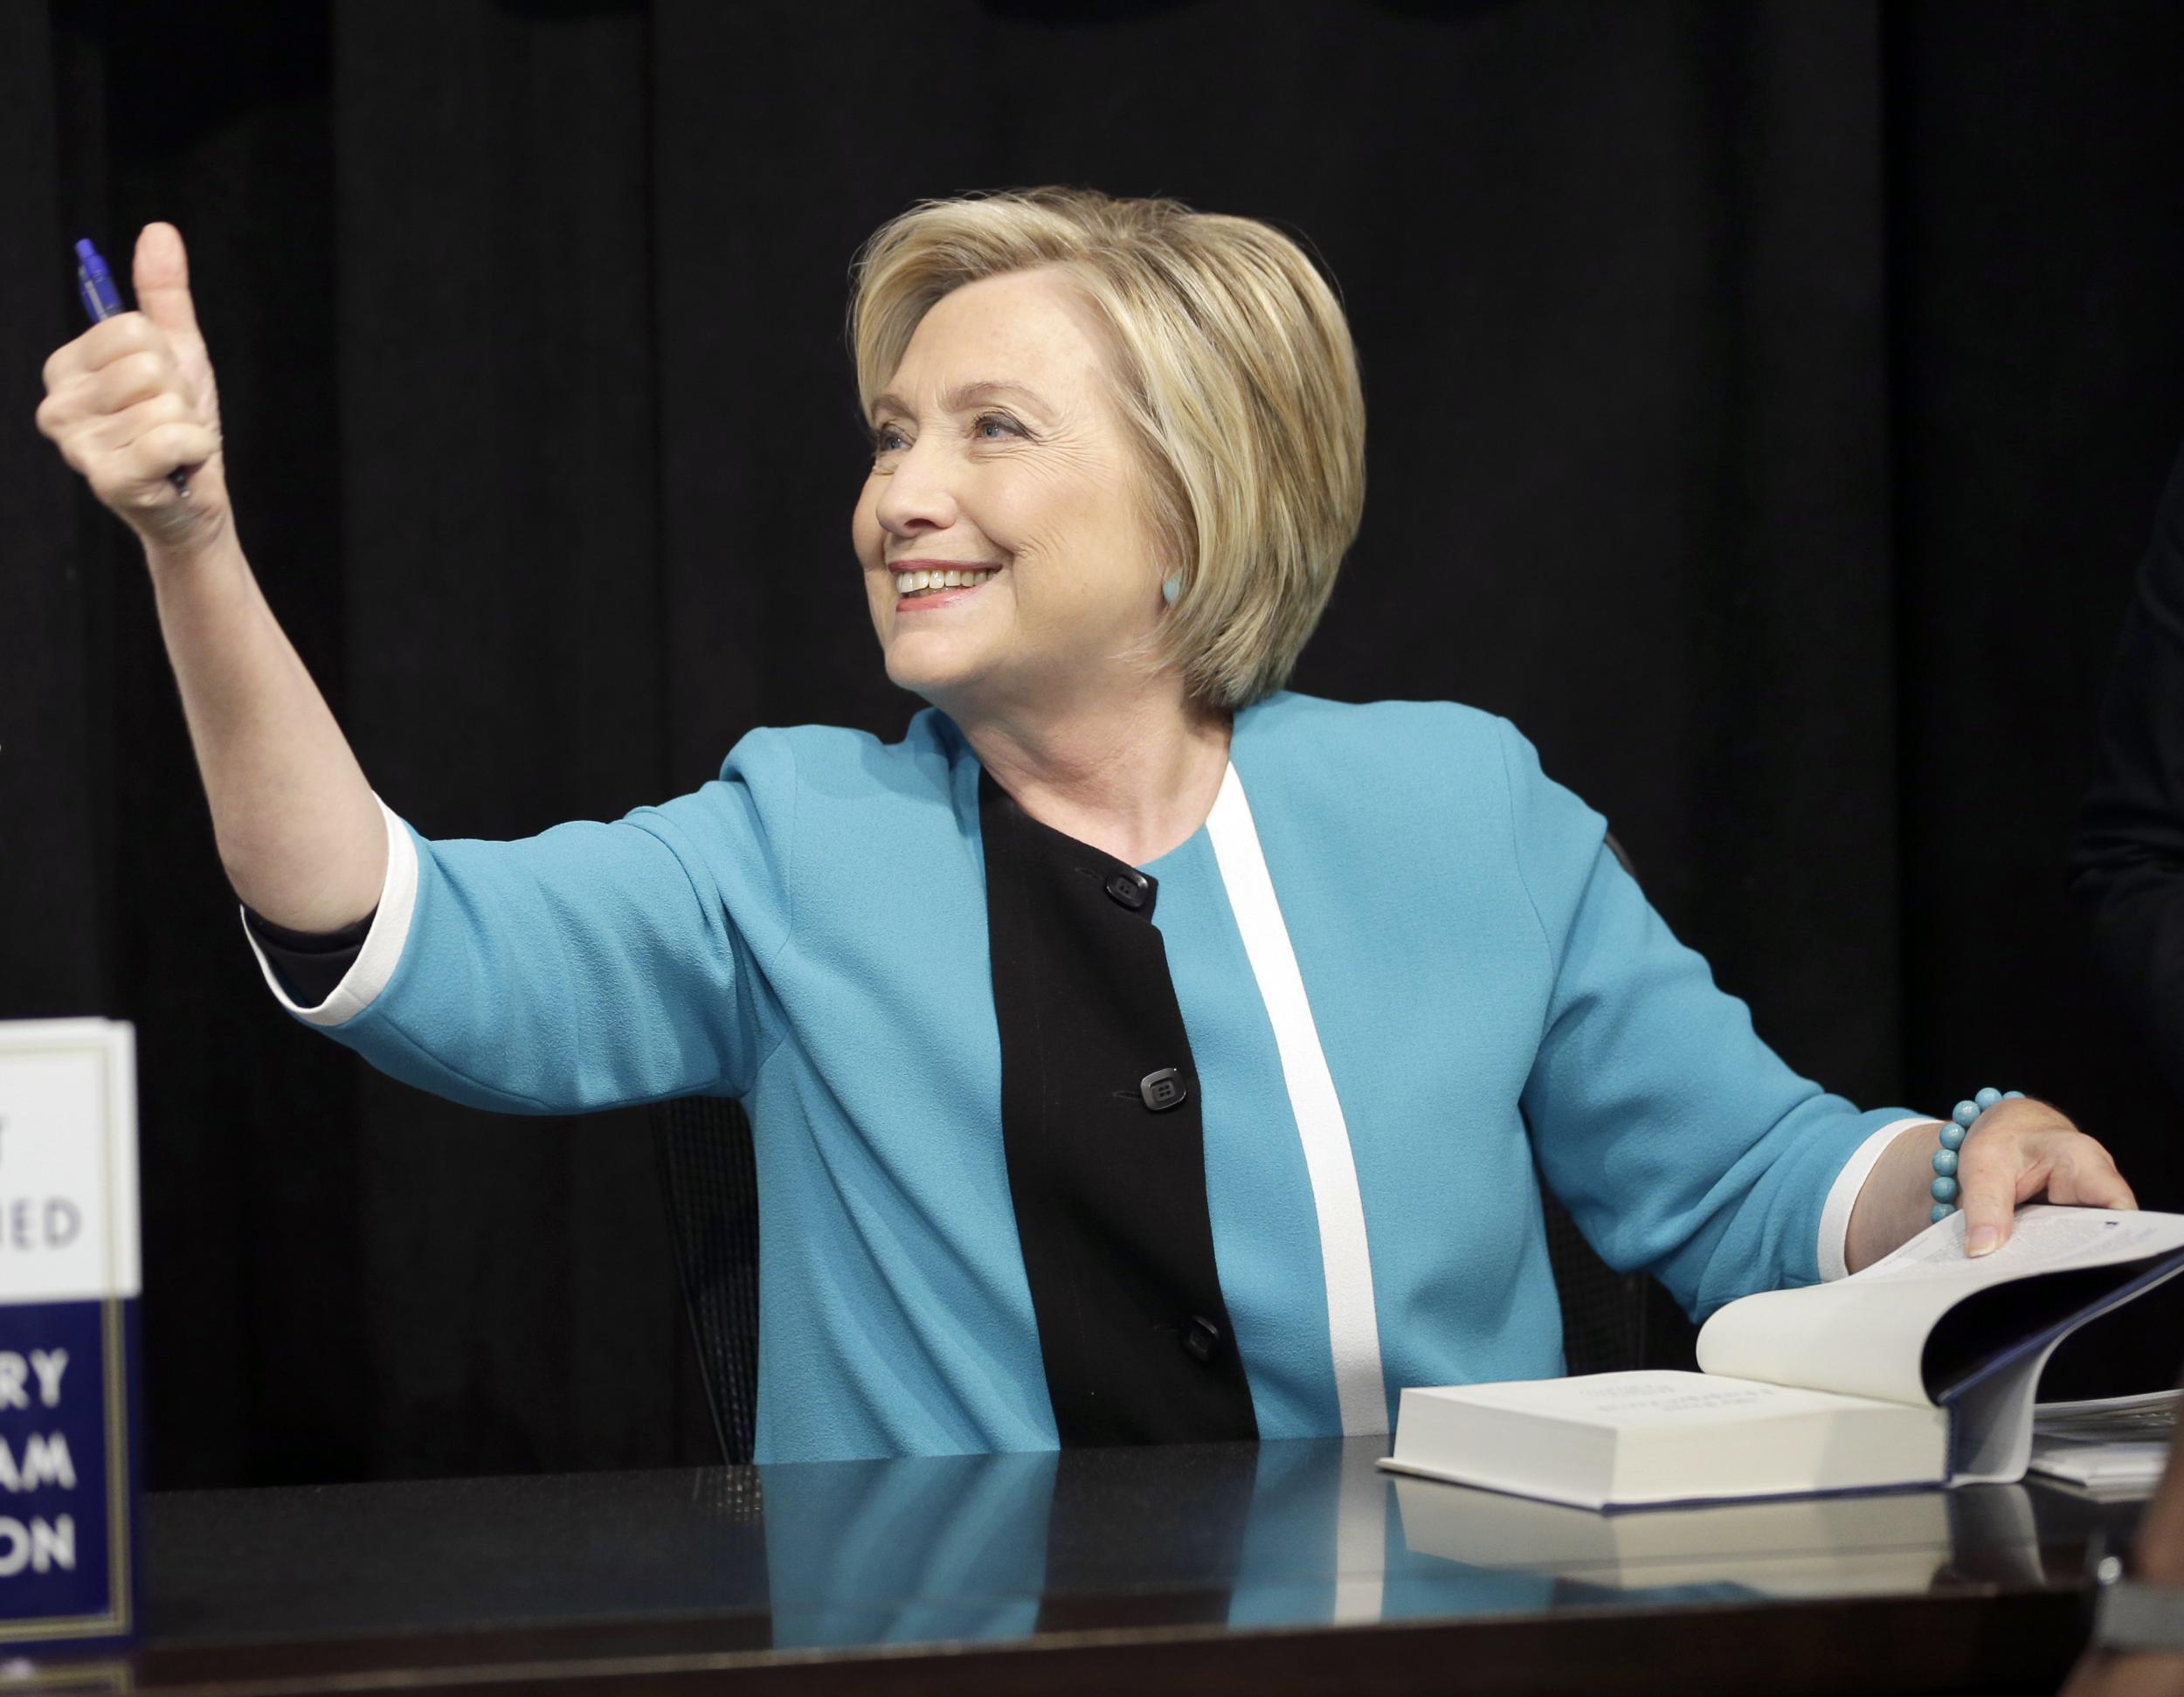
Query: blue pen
[(95, 283)]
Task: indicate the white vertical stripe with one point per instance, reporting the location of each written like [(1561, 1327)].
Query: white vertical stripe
[(1352, 1323), (1361, 1536)]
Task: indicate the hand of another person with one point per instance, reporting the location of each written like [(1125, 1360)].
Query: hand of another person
[(2157, 1560), (133, 399)]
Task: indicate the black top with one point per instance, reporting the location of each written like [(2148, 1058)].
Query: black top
[(2128, 862), (1100, 1121)]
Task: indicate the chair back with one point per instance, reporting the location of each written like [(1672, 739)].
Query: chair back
[(1604, 1312), (1611, 1321), (710, 1181)]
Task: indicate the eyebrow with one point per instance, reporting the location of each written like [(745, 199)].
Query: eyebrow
[(963, 398)]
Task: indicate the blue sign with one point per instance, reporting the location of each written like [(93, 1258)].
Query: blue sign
[(69, 1283)]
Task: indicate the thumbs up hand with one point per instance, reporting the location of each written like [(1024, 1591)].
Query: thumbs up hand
[(133, 400)]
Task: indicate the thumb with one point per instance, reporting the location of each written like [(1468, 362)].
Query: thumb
[(162, 282)]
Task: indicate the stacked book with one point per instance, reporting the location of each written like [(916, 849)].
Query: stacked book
[(2110, 1447)]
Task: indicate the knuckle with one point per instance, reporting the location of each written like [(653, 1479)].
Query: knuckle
[(138, 373), (103, 342), (118, 338), (163, 408)]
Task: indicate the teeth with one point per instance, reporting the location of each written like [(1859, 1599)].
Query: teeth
[(908, 582)]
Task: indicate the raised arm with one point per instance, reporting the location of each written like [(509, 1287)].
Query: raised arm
[(127, 402), (593, 964)]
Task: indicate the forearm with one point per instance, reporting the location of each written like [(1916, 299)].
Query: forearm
[(1897, 1201), (300, 833)]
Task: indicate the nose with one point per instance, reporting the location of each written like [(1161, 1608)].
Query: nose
[(914, 497)]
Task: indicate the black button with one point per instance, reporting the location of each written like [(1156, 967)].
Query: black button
[(1162, 1089), (1128, 888), (1201, 1339)]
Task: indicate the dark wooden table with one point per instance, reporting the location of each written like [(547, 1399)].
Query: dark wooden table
[(1226, 1568)]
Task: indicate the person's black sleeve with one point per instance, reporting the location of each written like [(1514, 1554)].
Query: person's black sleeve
[(2127, 860), (310, 963)]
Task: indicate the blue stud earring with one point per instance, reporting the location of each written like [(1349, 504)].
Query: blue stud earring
[(1172, 589)]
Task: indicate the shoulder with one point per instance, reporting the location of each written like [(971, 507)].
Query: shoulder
[(833, 761), (1471, 773), (830, 787), (803, 802), (1459, 744)]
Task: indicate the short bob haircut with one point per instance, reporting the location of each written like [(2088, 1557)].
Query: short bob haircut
[(1232, 367)]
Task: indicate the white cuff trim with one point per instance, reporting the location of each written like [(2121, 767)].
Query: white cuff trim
[(1842, 1195), (376, 961)]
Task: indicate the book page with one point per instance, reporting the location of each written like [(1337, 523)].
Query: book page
[(1866, 1335), (2045, 1239), (1644, 1397)]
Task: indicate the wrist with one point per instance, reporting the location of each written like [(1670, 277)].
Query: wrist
[(209, 549), (1891, 1203)]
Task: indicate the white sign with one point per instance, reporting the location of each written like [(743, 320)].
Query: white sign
[(67, 1160)]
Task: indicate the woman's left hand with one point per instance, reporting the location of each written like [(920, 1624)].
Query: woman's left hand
[(2018, 1149)]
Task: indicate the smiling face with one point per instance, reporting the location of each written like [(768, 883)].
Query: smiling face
[(998, 449)]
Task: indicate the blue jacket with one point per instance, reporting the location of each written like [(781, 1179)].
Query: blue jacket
[(1483, 988)]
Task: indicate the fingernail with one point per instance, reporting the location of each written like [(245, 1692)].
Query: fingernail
[(1981, 1240)]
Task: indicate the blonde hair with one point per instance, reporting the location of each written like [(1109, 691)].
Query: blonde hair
[(1233, 370)]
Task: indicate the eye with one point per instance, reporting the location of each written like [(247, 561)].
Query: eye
[(885, 438), (1001, 419)]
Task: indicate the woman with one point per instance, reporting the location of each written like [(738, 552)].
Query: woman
[(1134, 1051)]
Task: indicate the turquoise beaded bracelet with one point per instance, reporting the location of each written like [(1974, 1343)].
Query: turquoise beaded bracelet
[(1945, 1184)]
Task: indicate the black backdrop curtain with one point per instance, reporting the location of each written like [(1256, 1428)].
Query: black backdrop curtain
[(1768, 403)]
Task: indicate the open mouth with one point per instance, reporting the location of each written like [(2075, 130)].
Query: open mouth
[(932, 588)]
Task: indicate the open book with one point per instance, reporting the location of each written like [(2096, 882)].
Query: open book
[(1919, 1371)]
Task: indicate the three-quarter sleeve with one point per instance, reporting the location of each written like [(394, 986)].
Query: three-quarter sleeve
[(2127, 860), (1682, 1145), (340, 972), (592, 966), (306, 968)]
